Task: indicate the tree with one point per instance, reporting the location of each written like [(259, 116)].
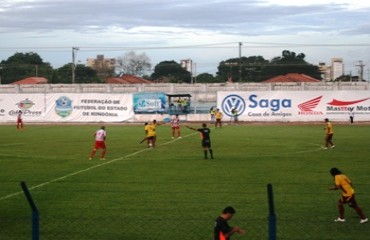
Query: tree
[(24, 65), (246, 69), (134, 64), (257, 69), (171, 70), (348, 78), (290, 62), (207, 78), (83, 74)]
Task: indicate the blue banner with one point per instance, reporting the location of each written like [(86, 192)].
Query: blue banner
[(149, 102)]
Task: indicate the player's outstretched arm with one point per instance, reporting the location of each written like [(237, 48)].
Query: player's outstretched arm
[(334, 188), (192, 128), (236, 230)]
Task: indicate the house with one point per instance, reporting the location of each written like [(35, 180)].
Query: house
[(124, 79), (292, 77), (32, 80)]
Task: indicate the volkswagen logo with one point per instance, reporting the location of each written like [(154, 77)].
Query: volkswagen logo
[(233, 101)]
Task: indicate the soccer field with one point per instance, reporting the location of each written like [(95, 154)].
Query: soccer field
[(171, 192)]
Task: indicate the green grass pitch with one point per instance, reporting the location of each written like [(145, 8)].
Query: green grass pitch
[(171, 192)]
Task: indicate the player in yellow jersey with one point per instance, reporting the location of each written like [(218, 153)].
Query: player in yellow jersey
[(150, 134), (343, 183), (328, 134), (218, 116)]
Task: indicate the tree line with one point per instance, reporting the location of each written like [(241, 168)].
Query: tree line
[(244, 69)]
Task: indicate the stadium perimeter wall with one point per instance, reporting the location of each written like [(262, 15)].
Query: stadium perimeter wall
[(280, 102)]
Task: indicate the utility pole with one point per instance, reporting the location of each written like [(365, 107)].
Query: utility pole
[(361, 71), (195, 73), (240, 61), (74, 49)]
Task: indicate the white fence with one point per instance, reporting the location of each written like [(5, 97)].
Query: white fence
[(203, 96), (171, 88)]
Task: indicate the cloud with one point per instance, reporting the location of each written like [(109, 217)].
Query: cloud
[(164, 28)]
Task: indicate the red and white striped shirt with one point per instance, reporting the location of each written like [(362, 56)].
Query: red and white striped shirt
[(100, 135), (175, 122)]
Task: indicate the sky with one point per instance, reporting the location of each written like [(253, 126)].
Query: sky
[(207, 32)]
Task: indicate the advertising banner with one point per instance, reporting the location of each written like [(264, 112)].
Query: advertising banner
[(31, 105), (89, 107), (286, 106), (86, 107), (149, 102)]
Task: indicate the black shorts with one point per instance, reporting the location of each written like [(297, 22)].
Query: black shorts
[(329, 136), (351, 201), (206, 143)]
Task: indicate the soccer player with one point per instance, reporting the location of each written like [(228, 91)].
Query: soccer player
[(175, 126), (146, 134), (328, 134), (343, 183), (212, 111), (235, 115), (150, 134), (351, 115), (19, 120), (206, 139), (100, 136), (218, 116), (222, 230)]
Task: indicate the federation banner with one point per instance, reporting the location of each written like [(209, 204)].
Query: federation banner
[(71, 107), (286, 106)]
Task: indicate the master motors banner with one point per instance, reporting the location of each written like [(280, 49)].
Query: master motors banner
[(296, 105), (66, 107)]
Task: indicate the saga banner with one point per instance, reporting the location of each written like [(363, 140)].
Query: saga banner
[(286, 106)]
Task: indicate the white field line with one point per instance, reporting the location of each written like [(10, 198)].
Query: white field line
[(90, 168), (121, 158)]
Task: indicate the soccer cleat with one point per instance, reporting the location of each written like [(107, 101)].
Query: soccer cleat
[(364, 220), (179, 137), (102, 159), (325, 148), (90, 159), (340, 220), (173, 137), (332, 147)]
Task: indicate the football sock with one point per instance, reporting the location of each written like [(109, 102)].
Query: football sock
[(205, 154), (341, 211), (360, 213), (211, 152)]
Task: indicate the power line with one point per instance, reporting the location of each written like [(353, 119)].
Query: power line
[(226, 45)]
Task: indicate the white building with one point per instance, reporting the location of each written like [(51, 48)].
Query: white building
[(337, 68), (187, 64), (101, 63), (332, 71)]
